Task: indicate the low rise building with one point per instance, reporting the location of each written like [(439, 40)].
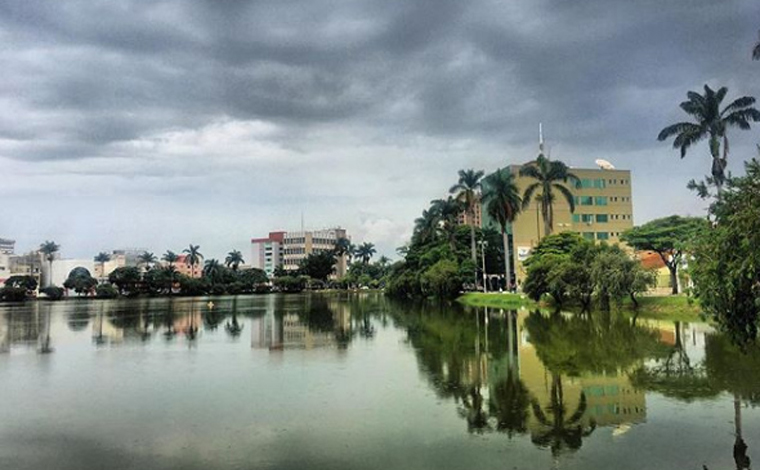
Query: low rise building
[(288, 249)]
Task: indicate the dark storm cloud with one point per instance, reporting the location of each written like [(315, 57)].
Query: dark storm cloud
[(213, 88)]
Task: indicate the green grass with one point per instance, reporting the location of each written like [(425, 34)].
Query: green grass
[(496, 300)]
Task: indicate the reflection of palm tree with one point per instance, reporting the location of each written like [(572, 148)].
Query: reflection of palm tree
[(233, 328), (508, 403), (474, 411), (560, 431)]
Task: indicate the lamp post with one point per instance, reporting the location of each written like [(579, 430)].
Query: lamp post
[(483, 244)]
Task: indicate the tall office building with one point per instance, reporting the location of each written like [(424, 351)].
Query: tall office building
[(603, 211)]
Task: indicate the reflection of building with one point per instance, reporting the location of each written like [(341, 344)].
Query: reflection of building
[(290, 248), (603, 210), (610, 399), (29, 328)]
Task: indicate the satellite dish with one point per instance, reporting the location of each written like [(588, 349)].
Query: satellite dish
[(604, 164)]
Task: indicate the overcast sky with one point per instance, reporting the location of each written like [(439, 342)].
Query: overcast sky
[(157, 124)]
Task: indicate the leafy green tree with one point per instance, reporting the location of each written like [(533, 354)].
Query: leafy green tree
[(49, 249), (290, 284), (193, 257), (551, 177), (234, 259), (318, 265), (503, 203), (547, 263), (711, 121), (52, 292), (726, 264), (190, 286), (467, 190), (102, 258), (126, 279), (426, 226), (28, 283), (81, 281), (106, 291), (669, 237), (443, 279), (212, 270), (160, 281)]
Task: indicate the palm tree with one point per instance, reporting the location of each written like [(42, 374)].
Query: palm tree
[(170, 257), (756, 51), (147, 258), (49, 249), (550, 176), (711, 122), (426, 226), (102, 258), (466, 190), (446, 212), (234, 259), (193, 257), (365, 251), (503, 203), (211, 269)]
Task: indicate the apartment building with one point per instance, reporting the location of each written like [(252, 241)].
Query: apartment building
[(267, 253), (475, 218), (603, 211), (288, 249)]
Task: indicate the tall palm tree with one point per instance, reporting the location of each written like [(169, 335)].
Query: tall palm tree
[(147, 258), (446, 211), (365, 251), (49, 249), (102, 258), (193, 257), (467, 191), (234, 259), (710, 121), (550, 176), (503, 203), (170, 257)]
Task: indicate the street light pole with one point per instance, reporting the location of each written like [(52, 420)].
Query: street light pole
[(483, 245)]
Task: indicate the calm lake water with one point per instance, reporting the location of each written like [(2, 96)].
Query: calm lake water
[(360, 382)]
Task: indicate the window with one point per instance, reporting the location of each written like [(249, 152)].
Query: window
[(601, 200), (587, 218), (588, 235), (601, 218), (584, 183), (576, 218), (584, 200), (602, 236), (599, 184)]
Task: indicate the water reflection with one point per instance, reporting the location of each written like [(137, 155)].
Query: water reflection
[(28, 329)]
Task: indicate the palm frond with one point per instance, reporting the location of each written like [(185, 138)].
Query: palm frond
[(567, 195), (527, 197), (678, 128)]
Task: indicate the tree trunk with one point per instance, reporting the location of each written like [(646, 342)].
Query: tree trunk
[(673, 278), (546, 212), (472, 242), (507, 259)]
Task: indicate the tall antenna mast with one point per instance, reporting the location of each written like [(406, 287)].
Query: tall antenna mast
[(540, 138)]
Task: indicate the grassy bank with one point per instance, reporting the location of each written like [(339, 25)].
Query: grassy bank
[(496, 300), (672, 308)]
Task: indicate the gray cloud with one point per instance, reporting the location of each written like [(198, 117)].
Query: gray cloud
[(370, 106)]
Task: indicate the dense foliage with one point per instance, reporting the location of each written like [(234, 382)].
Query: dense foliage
[(726, 265), (570, 268)]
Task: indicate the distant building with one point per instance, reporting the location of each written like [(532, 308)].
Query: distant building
[(183, 267), (267, 253), (476, 218), (7, 246), (603, 211), (119, 259), (288, 249)]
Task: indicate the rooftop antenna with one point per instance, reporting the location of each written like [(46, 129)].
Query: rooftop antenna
[(540, 138)]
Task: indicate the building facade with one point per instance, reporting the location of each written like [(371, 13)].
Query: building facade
[(603, 211), (267, 253), (288, 249)]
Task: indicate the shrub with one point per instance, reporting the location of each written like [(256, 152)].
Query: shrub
[(53, 292), (106, 291)]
